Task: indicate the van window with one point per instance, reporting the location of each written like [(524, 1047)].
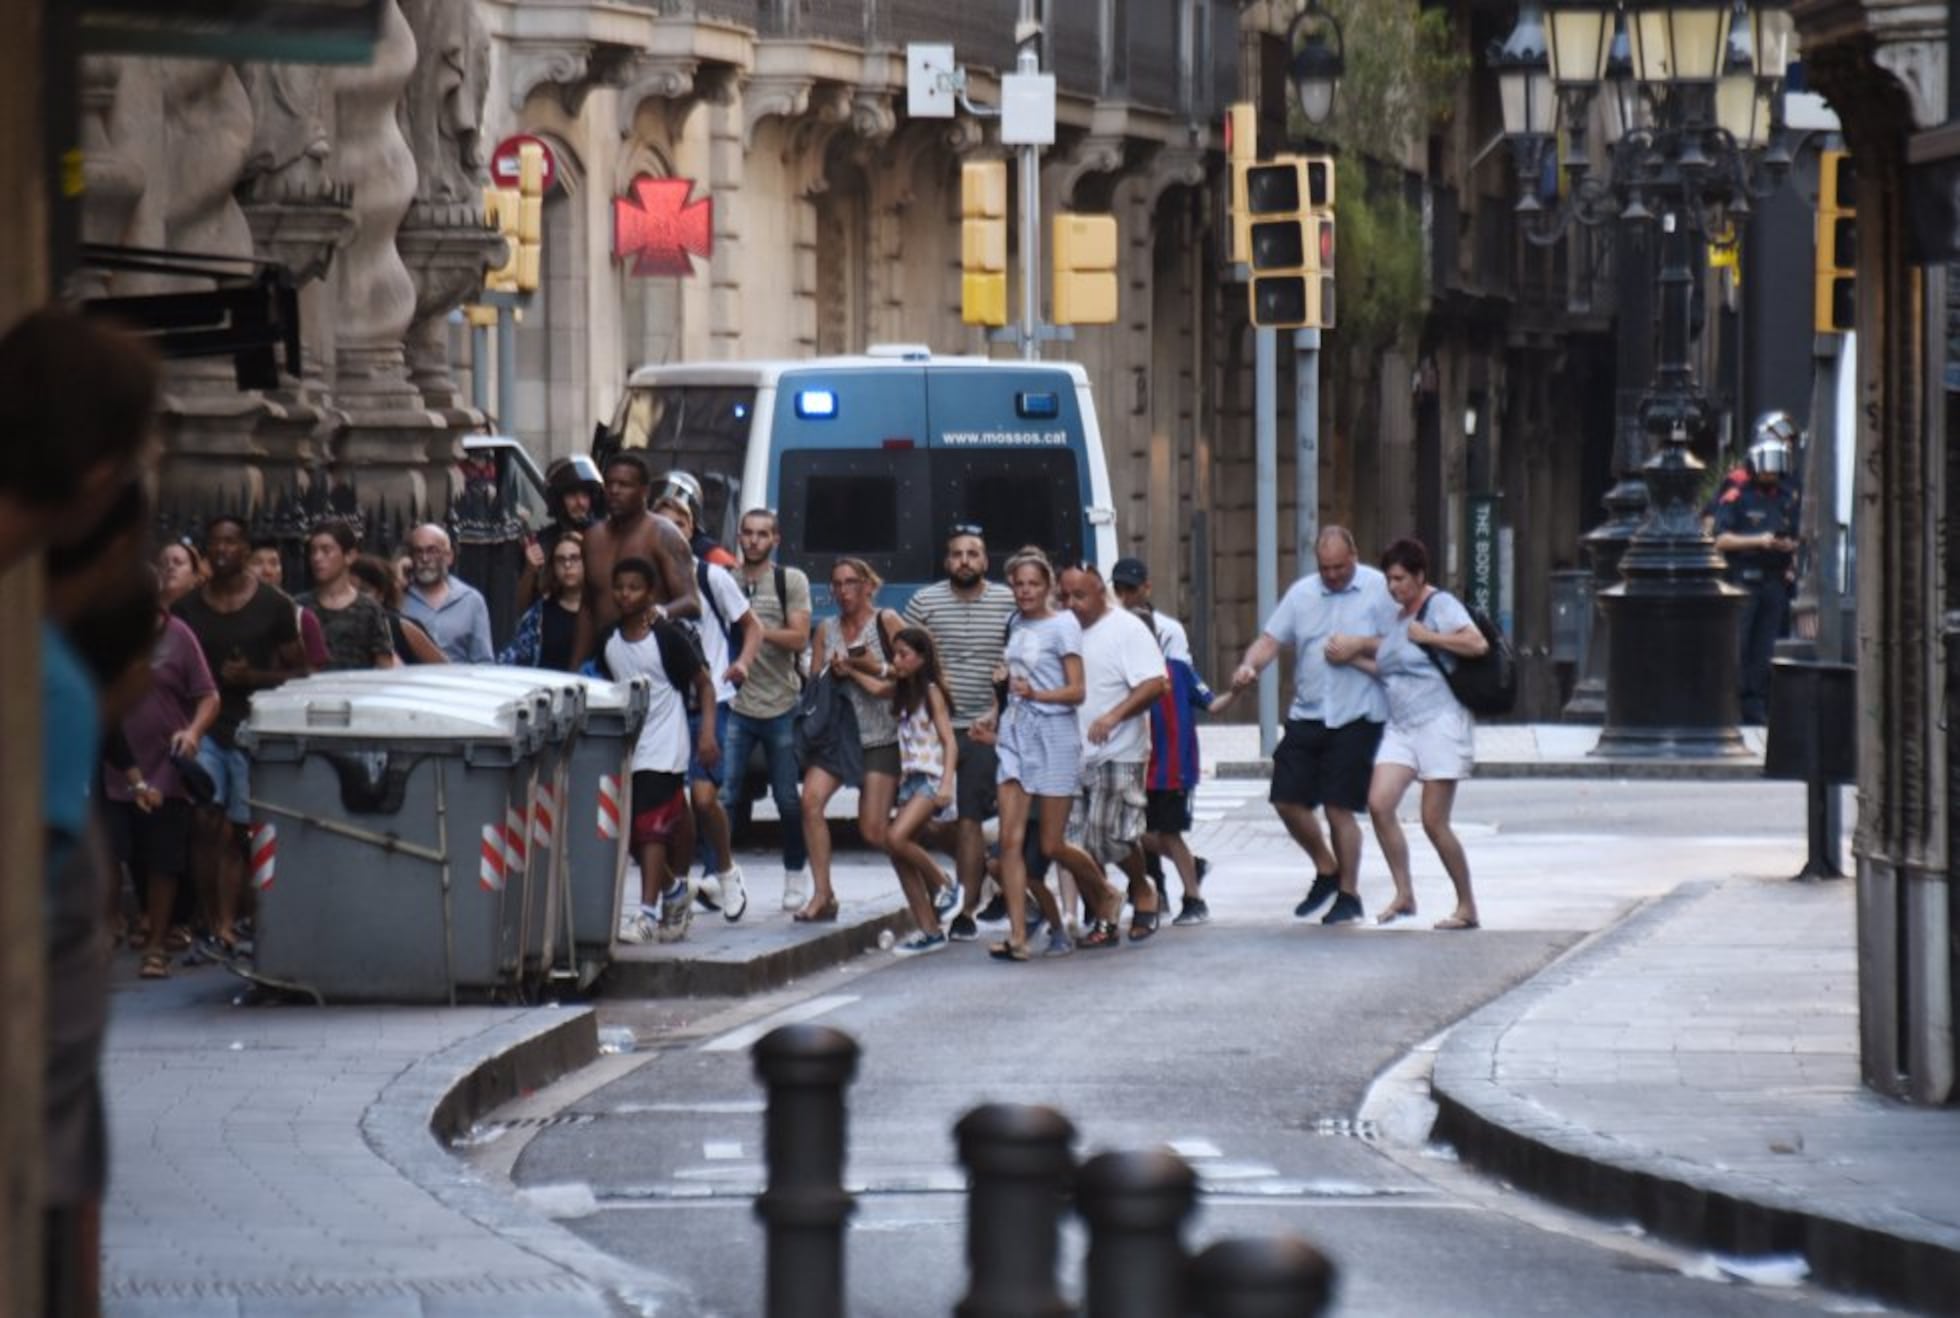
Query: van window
[(702, 429), (1017, 496), (874, 504)]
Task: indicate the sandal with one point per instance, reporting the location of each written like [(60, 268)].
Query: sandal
[(1458, 922), (178, 939), (1008, 951), (1101, 934), (825, 914), (1394, 911), (1142, 925), (155, 966)]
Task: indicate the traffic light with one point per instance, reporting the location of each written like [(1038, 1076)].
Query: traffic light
[(1280, 246), (503, 211), (1085, 269), (1835, 308), (1320, 282), (1241, 153), (530, 216), (983, 242)]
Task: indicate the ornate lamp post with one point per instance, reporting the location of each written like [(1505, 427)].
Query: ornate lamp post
[(1691, 90), (1318, 60)]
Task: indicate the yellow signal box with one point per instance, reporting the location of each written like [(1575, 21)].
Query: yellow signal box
[(1085, 291), (530, 216), (1320, 272), (1241, 153), (983, 242), (1278, 246), (503, 211), (1836, 295)]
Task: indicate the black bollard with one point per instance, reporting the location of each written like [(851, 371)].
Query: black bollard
[(1135, 1205), (1261, 1277), (804, 1207), (1018, 1166)]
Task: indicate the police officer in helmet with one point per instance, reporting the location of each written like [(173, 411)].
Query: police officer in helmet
[(1756, 530), (574, 494)]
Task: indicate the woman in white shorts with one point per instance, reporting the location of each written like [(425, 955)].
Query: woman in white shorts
[(1040, 750), (1429, 734)]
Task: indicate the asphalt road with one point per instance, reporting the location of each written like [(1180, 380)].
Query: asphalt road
[(1250, 1045)]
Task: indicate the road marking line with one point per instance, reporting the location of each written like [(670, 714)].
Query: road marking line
[(737, 1040), (721, 1150), (1196, 1148), (732, 1107)]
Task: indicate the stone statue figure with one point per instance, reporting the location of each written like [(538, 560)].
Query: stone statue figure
[(291, 139), (442, 115)]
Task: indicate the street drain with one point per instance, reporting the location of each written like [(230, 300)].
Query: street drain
[(539, 1123), (1347, 1127)]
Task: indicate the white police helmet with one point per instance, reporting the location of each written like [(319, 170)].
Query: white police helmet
[(1774, 449), (682, 486)]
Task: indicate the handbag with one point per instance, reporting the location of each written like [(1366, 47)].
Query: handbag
[(827, 731)]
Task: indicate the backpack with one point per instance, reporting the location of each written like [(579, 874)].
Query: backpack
[(1487, 684)]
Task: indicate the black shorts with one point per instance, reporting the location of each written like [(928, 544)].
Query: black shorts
[(155, 843), (1317, 765), (974, 791), (1167, 810)]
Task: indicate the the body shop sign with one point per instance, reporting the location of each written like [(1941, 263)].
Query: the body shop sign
[(1481, 582)]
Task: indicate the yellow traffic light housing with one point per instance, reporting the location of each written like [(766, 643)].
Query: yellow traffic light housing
[(983, 242), (1835, 309), (1241, 153), (1085, 290), (530, 216), (1279, 243), (503, 211)]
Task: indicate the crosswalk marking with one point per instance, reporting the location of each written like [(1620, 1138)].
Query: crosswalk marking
[(739, 1039)]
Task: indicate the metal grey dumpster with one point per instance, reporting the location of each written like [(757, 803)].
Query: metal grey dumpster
[(534, 837), (379, 839), (598, 794)]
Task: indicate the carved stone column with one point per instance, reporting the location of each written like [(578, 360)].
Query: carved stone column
[(301, 215), (207, 420), (114, 179), (387, 432), (444, 240)]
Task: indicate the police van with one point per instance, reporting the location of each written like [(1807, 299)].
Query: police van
[(878, 456)]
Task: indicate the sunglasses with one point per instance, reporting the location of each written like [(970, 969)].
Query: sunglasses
[(965, 528)]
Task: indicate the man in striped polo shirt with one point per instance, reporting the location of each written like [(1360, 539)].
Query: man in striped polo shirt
[(967, 616)]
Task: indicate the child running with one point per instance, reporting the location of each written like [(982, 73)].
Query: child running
[(928, 758), (641, 645)]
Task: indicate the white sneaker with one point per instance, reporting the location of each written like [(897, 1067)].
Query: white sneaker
[(796, 889), (676, 911), (634, 926), (707, 890), (734, 893)]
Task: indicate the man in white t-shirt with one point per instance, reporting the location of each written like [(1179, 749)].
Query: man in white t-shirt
[(724, 609), (1123, 676)]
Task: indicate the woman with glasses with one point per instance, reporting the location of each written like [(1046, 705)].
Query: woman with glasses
[(354, 627), (180, 570), (544, 634), (856, 646), (1040, 750)]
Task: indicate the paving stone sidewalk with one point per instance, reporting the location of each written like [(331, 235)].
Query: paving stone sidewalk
[(1695, 1070), (246, 1177)]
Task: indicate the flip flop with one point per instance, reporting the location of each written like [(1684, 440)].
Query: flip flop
[(1390, 914), (1452, 922), (1008, 951)]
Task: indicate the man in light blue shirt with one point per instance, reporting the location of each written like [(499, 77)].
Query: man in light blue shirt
[(450, 610), (1327, 755)]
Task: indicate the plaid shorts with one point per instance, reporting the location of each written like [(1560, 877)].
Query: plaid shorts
[(1107, 817)]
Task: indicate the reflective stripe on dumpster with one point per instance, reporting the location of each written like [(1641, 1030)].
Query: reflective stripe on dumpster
[(265, 854), (609, 806)]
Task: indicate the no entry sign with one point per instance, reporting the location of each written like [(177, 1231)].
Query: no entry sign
[(504, 166)]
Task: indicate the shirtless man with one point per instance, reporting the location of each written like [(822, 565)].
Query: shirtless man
[(630, 530)]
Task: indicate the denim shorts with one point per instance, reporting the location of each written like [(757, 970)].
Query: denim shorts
[(231, 776), (698, 772), (926, 785)]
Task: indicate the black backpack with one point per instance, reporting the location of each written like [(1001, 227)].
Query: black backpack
[(1487, 684)]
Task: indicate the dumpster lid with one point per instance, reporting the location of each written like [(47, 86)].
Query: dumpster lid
[(613, 697), (354, 713), (560, 702)]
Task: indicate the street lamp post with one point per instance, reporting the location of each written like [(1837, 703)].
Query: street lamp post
[(1688, 126)]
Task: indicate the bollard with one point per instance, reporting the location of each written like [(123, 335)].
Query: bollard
[(1135, 1205), (1261, 1277), (804, 1207), (1018, 1166)]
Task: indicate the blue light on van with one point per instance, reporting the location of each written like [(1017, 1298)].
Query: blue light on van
[(741, 411), (816, 404), (1037, 407)]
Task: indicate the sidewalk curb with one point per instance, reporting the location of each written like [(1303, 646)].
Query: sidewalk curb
[(1741, 769), (713, 976), (1889, 1256), (415, 1116)]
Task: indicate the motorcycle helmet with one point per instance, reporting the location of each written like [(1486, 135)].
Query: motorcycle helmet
[(682, 486), (576, 472), (1773, 451)]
